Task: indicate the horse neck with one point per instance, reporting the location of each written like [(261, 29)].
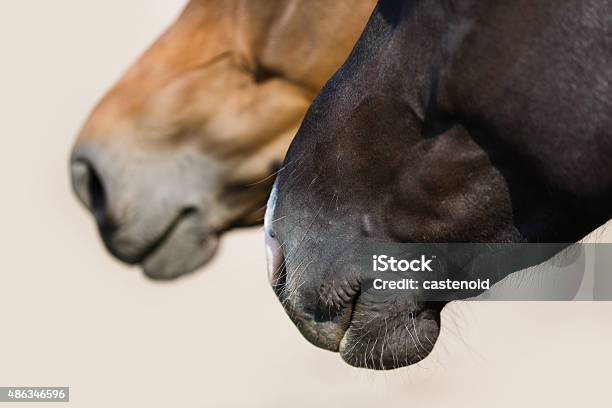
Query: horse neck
[(303, 40)]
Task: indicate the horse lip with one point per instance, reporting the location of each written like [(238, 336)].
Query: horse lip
[(324, 333), (421, 313), (156, 243), (156, 266)]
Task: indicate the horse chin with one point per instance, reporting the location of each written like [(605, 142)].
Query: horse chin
[(390, 342), (185, 250)]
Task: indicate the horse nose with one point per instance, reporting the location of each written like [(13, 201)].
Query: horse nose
[(89, 188)]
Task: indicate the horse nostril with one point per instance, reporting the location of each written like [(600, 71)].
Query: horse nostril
[(276, 263), (89, 188)]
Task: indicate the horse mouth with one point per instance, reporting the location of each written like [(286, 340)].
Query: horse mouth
[(181, 248), (368, 329), (366, 334), (374, 339)]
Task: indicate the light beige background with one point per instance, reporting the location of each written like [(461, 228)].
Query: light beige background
[(71, 315)]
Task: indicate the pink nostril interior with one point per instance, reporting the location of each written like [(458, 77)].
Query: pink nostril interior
[(274, 255)]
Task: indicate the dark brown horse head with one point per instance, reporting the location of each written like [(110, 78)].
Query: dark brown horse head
[(446, 124)]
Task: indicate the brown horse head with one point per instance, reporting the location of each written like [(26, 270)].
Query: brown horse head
[(184, 146)]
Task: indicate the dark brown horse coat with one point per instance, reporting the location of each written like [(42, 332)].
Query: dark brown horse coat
[(451, 121)]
